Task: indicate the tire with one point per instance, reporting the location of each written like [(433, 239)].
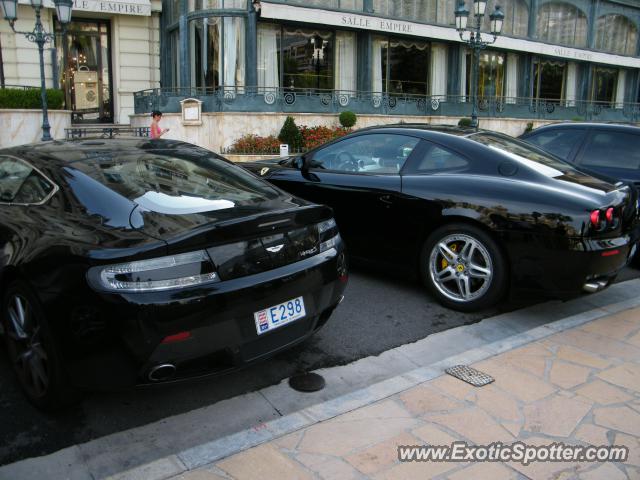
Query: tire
[(458, 280), (33, 351)]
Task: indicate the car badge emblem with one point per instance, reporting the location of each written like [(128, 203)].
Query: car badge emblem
[(311, 251), (264, 171), (275, 249)]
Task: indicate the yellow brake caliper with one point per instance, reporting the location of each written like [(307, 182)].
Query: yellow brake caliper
[(444, 262)]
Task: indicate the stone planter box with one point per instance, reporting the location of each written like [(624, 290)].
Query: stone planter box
[(19, 126), (219, 130)]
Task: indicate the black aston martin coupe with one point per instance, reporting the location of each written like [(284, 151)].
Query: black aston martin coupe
[(474, 212), (143, 261)]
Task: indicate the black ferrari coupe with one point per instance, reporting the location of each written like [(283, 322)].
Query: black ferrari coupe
[(141, 261), (473, 212)]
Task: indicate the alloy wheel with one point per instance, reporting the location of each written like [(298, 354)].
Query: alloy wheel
[(460, 268), (26, 351)]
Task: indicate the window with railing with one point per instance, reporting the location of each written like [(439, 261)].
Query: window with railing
[(605, 83), (400, 66), (302, 58), (616, 34), (491, 74), (563, 24), (549, 77), (217, 52)]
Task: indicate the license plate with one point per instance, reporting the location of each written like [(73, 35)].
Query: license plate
[(279, 315)]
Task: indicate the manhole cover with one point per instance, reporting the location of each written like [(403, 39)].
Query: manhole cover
[(307, 382), (470, 375)]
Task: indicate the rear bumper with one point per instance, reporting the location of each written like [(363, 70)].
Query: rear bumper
[(561, 267), (219, 319)]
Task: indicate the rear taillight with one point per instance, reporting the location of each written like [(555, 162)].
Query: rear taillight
[(604, 219), (328, 234), (155, 274), (609, 215)]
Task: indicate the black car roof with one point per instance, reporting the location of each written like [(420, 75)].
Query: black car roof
[(620, 127), (423, 127), (58, 153)]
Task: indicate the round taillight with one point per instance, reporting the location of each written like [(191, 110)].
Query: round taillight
[(609, 215), (595, 218)]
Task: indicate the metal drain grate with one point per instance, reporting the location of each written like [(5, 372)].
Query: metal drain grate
[(470, 375)]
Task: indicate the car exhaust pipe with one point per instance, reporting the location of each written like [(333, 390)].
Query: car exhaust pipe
[(595, 286), (161, 372)]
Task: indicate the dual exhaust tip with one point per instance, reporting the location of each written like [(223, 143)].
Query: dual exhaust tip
[(595, 286), (162, 372)]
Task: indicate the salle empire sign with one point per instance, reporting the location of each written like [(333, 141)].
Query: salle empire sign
[(376, 24), (105, 6)]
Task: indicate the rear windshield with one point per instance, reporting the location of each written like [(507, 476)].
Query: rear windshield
[(175, 183), (537, 159), (524, 153)]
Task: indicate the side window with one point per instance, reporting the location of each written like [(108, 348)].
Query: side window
[(613, 150), (20, 183), (375, 153), (560, 142), (438, 159)]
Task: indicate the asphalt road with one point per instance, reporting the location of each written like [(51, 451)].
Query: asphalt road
[(382, 310)]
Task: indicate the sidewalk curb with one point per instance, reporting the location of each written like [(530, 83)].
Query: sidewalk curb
[(76, 463), (216, 450)]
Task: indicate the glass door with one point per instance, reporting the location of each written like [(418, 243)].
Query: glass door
[(84, 56), (491, 73)]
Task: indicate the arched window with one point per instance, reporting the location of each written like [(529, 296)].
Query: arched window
[(431, 11), (563, 24), (516, 16), (616, 34)]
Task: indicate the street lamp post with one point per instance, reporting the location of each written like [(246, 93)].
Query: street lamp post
[(40, 38), (475, 41)]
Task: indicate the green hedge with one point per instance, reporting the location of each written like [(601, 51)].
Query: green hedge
[(30, 98)]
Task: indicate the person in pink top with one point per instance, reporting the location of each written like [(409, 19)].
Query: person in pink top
[(156, 131)]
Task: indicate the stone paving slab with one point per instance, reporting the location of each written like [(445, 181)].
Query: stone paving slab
[(580, 386)]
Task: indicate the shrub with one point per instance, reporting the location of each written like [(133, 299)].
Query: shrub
[(30, 98), (348, 119), (313, 137), (577, 119), (290, 134), (464, 122), (529, 127), (249, 144)]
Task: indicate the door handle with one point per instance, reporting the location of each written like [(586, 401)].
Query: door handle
[(386, 199)]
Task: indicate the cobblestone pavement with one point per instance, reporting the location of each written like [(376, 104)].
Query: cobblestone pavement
[(580, 386)]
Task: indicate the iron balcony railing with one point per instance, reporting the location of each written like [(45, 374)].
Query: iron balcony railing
[(308, 100), (108, 131)]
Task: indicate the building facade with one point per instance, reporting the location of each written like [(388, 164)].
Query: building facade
[(556, 59), (110, 50), (386, 60)]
